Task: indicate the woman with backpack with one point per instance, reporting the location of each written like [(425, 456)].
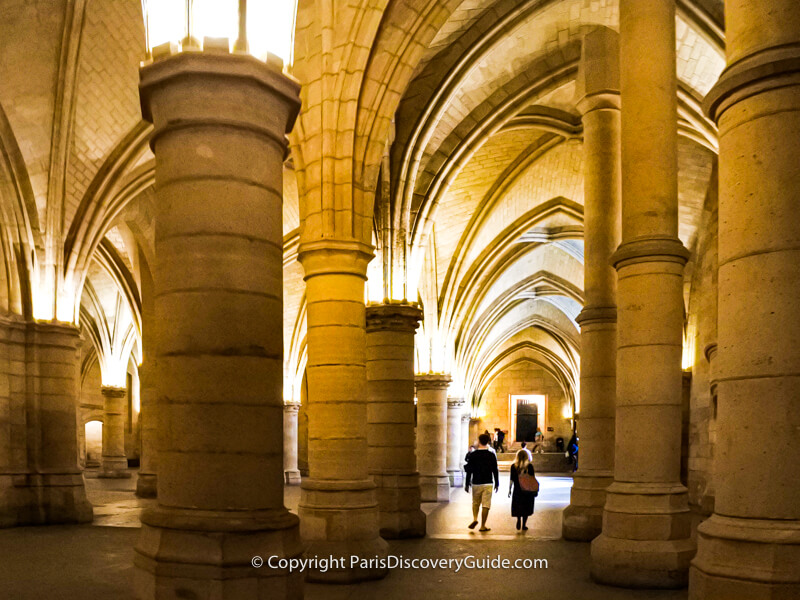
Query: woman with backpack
[(523, 489)]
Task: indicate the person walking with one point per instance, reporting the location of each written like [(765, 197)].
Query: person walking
[(572, 451), (484, 478), (522, 499), (525, 447)]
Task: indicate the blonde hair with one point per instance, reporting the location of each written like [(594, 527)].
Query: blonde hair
[(522, 461)]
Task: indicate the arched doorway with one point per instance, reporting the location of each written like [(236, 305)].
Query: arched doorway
[(93, 443), (527, 416)]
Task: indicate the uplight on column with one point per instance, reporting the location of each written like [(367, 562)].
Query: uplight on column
[(257, 27)]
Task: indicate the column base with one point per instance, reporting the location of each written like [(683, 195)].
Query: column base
[(456, 478), (340, 519), (403, 525), (205, 554), (746, 558), (583, 518), (292, 477), (646, 537), (398, 501), (434, 488), (43, 499), (659, 564), (111, 473), (114, 468), (146, 485)]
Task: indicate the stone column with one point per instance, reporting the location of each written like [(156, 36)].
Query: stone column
[(219, 143), (474, 429), (338, 502), (750, 546), (53, 487), (465, 441), (291, 473), (114, 464), (390, 416), (148, 409), (455, 454), (40, 482), (434, 484), (646, 522), (598, 100), (148, 422)]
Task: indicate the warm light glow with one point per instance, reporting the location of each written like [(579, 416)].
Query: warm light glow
[(399, 288), (216, 19), (457, 389), (94, 434), (269, 24), (687, 356), (113, 371), (410, 287), (288, 391), (270, 28), (43, 304), (65, 304), (48, 303), (165, 21), (566, 412), (374, 292)]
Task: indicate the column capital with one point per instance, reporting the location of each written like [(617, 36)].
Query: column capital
[(759, 72), (432, 381), (710, 351), (454, 403), (597, 85), (403, 317), (291, 407), (597, 314), (607, 100), (57, 333), (465, 417), (111, 391), (186, 67), (335, 257), (650, 249)]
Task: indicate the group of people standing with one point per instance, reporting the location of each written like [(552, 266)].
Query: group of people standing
[(483, 478)]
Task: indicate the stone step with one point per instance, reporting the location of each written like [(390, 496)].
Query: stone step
[(545, 462)]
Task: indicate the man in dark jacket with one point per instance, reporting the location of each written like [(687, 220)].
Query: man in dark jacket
[(482, 476)]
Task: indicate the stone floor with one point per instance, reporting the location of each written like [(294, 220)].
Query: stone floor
[(94, 561)]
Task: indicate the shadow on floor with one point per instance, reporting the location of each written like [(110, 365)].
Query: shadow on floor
[(94, 562)]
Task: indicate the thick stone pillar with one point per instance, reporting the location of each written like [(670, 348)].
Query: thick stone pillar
[(750, 546), (646, 522), (114, 463), (219, 143), (390, 416), (465, 441), (598, 100), (474, 430), (12, 451), (291, 473), (53, 377), (338, 502), (148, 422), (434, 484), (455, 454), (41, 483), (146, 486)]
